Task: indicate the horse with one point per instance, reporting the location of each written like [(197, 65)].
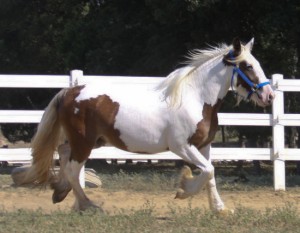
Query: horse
[(177, 114)]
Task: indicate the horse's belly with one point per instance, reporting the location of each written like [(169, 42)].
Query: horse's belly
[(142, 132), (143, 144)]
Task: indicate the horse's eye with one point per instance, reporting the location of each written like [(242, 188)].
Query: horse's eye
[(249, 67)]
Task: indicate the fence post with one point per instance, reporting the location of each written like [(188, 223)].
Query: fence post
[(75, 75), (82, 177), (278, 135), (75, 78)]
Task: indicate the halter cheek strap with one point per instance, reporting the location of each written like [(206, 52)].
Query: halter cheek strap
[(254, 87)]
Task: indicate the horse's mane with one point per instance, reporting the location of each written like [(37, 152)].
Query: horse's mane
[(173, 84), (198, 57)]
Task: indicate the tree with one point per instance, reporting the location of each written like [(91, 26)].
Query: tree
[(139, 37)]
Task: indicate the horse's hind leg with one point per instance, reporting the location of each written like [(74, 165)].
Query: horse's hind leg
[(72, 170), (78, 156), (61, 185)]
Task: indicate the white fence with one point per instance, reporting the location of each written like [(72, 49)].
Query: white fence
[(277, 120)]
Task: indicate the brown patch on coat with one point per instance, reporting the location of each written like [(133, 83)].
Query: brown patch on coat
[(92, 125), (207, 127), (248, 70)]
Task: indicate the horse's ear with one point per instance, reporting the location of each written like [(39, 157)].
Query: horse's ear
[(236, 44), (249, 45)]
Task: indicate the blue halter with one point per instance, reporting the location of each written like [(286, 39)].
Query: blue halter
[(254, 87)]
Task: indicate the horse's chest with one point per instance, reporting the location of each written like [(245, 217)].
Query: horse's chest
[(207, 127)]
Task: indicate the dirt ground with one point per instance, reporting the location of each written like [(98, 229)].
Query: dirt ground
[(12, 199), (112, 202)]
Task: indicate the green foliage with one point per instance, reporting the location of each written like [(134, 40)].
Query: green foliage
[(284, 219), (140, 37)]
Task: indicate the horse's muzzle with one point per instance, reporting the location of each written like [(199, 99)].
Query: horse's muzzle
[(271, 97)]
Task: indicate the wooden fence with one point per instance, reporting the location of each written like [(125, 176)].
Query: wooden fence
[(277, 120)]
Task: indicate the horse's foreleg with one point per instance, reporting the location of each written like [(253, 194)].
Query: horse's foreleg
[(215, 202), (189, 184)]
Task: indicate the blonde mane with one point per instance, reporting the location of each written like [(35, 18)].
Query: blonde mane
[(172, 86)]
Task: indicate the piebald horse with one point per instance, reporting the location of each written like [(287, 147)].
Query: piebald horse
[(178, 114)]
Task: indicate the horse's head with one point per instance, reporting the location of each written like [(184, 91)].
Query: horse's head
[(248, 78)]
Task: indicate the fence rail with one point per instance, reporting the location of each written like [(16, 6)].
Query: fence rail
[(277, 120)]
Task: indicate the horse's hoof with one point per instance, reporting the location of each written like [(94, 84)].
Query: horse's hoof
[(186, 172), (225, 212), (96, 208), (59, 193), (181, 194), (59, 196), (186, 175)]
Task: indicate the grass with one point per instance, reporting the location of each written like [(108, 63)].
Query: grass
[(284, 219), (178, 219), (164, 178), (135, 181)]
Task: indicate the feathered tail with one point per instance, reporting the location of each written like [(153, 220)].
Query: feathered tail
[(43, 146)]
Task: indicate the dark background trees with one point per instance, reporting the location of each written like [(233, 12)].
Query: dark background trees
[(138, 37)]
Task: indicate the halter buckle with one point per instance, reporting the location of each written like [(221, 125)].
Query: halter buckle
[(254, 88)]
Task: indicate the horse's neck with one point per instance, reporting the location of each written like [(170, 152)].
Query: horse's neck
[(213, 82)]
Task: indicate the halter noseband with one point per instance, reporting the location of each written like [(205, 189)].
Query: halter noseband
[(254, 87)]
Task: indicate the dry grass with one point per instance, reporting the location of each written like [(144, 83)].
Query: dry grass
[(285, 219), (178, 219)]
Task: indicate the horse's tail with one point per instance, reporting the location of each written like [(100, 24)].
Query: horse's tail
[(43, 146)]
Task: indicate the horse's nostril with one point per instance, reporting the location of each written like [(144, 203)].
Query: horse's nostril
[(271, 97)]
